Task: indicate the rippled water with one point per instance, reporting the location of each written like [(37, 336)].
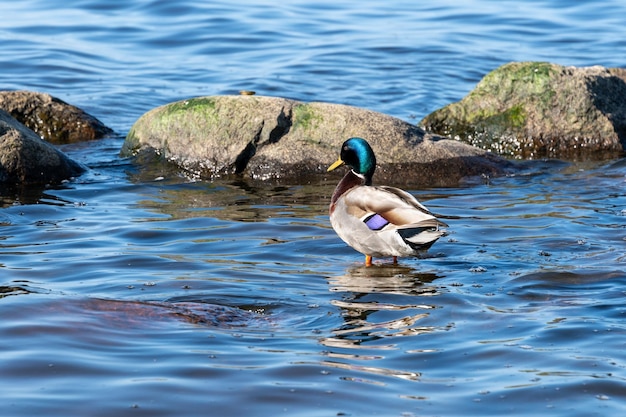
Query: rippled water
[(133, 291)]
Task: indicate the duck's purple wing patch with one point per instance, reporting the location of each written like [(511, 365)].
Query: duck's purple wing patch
[(376, 222)]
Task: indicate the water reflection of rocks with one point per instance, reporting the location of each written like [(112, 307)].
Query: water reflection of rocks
[(232, 198)]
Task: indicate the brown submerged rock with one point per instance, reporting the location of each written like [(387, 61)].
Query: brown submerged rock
[(538, 109), (51, 118), (27, 159), (272, 137)]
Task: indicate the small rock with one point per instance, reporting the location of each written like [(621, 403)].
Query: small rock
[(51, 118), (27, 159)]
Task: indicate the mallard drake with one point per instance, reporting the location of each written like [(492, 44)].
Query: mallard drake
[(378, 221)]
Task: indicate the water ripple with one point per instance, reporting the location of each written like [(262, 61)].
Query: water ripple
[(167, 296)]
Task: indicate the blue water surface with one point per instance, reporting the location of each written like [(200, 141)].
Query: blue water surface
[(135, 291), (118, 59)]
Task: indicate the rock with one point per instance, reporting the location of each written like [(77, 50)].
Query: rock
[(538, 109), (271, 137), (52, 119), (27, 159)]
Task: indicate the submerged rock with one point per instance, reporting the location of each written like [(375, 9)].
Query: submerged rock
[(27, 159), (272, 137), (51, 118), (538, 109)]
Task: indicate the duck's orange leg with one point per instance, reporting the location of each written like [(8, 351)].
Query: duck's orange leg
[(368, 260), (395, 260)]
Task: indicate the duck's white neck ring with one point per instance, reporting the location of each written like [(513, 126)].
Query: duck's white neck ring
[(358, 175), (364, 179)]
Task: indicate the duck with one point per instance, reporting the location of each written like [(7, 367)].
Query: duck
[(376, 220)]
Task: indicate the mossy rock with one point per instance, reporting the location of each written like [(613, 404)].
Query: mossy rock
[(538, 109), (272, 137)]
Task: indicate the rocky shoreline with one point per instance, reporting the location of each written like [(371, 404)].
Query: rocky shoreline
[(518, 111)]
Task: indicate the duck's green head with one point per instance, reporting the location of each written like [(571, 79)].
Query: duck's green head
[(358, 155)]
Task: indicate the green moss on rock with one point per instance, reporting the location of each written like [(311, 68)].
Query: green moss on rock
[(202, 104), (305, 117)]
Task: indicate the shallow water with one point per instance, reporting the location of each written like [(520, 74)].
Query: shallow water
[(133, 291)]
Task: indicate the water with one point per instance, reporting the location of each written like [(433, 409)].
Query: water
[(133, 291)]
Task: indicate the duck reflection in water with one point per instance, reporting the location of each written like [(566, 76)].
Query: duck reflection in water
[(377, 304), (389, 288)]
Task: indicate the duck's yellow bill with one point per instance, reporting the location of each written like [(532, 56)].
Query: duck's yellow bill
[(335, 165)]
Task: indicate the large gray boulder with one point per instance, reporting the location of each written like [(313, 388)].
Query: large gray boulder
[(538, 109), (51, 118), (272, 137), (27, 159)]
